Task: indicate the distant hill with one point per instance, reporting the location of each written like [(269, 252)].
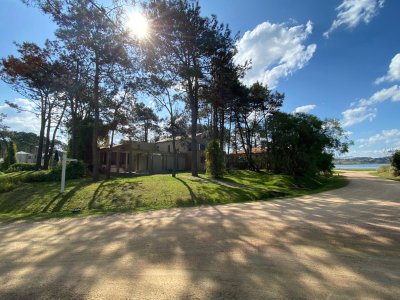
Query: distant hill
[(362, 160)]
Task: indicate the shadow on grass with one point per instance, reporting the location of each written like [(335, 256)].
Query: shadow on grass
[(95, 195), (192, 195)]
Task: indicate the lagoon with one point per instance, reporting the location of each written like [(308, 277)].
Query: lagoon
[(359, 166)]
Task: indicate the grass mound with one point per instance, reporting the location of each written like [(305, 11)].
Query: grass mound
[(43, 200)]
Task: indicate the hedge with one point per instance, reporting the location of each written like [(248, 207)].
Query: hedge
[(74, 170), (17, 167)]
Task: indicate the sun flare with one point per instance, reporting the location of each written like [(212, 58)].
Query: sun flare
[(138, 25)]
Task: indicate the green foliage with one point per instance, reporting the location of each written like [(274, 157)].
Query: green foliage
[(388, 172), (395, 161), (11, 156), (17, 167), (214, 159), (11, 181), (302, 144)]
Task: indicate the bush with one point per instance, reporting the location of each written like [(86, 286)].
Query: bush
[(74, 170), (388, 170), (214, 160), (383, 169), (17, 167), (395, 160), (11, 157)]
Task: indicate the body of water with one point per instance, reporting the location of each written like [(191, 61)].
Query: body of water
[(359, 166)]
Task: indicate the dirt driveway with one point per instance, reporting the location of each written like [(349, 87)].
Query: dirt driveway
[(339, 244)]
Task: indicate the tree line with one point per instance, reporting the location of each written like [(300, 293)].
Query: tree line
[(89, 79)]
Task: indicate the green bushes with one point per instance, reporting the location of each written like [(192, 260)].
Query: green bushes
[(17, 167), (12, 180), (10, 158), (214, 159), (387, 171), (395, 161), (302, 144)]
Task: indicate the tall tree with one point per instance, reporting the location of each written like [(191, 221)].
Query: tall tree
[(146, 119), (36, 75), (117, 114), (251, 110), (3, 135), (182, 40), (95, 32), (161, 88)]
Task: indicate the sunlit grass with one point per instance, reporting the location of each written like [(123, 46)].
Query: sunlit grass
[(43, 200)]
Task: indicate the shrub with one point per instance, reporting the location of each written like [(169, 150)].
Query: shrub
[(74, 170), (214, 159), (395, 160), (11, 156), (383, 169), (388, 170), (17, 167)]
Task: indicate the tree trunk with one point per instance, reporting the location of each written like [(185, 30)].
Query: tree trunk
[(146, 131), (41, 141), (175, 162), (95, 159), (73, 129), (215, 123), (194, 108), (109, 153), (47, 145), (55, 130), (222, 129), (41, 137)]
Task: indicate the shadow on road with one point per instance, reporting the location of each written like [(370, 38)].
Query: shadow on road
[(341, 243)]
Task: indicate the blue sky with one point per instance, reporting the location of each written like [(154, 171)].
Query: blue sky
[(333, 58)]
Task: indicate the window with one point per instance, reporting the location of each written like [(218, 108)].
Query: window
[(169, 148)]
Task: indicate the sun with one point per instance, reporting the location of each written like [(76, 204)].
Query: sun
[(138, 25)]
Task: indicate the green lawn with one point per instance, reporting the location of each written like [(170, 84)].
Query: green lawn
[(43, 200)]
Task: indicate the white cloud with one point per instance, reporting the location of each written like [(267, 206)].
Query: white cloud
[(393, 73), (391, 136), (392, 93), (275, 50), (25, 120), (356, 115), (353, 12), (362, 110), (381, 152), (305, 108)]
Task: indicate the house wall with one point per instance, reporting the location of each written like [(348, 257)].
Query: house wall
[(26, 158), (181, 147), (153, 157)]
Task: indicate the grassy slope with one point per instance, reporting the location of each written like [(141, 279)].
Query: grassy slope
[(43, 200), (386, 175)]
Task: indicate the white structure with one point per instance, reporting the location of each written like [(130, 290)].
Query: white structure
[(64, 168), (25, 157)]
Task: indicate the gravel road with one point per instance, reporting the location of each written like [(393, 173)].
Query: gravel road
[(339, 244)]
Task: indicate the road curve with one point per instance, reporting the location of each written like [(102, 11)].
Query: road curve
[(339, 244)]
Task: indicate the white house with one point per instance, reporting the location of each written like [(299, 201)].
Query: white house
[(25, 157)]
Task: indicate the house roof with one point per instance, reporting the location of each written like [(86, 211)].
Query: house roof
[(178, 138), (254, 150)]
